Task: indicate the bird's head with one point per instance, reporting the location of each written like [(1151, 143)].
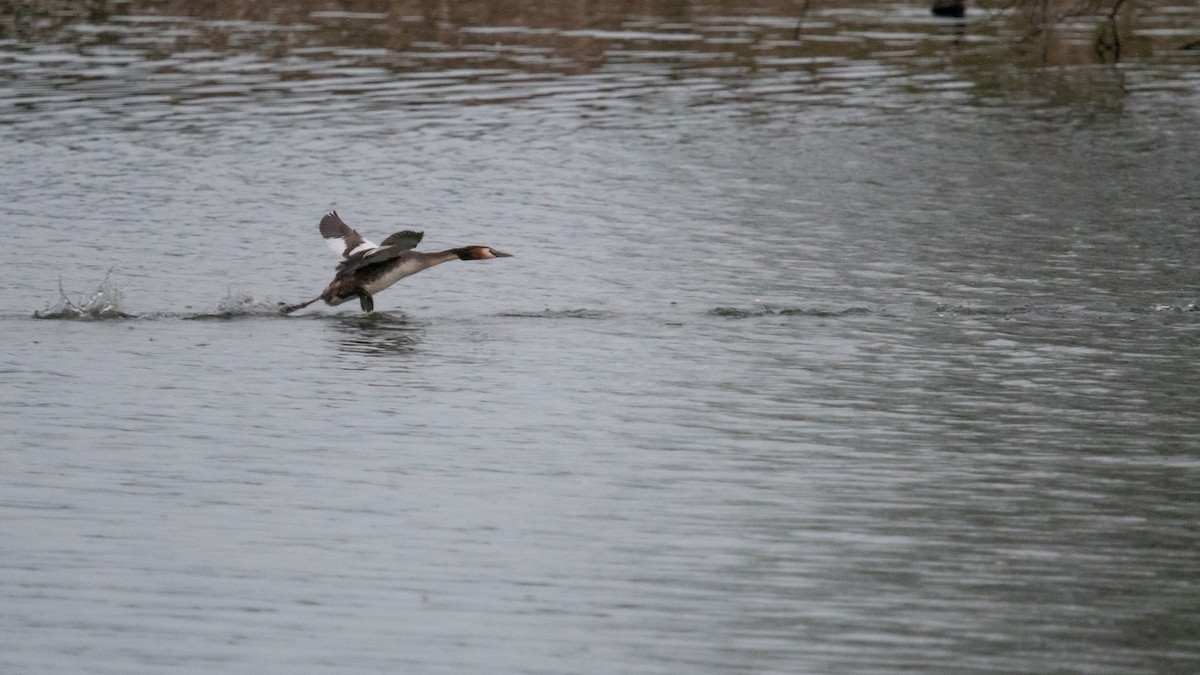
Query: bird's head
[(479, 253)]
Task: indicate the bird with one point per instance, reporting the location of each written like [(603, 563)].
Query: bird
[(366, 269)]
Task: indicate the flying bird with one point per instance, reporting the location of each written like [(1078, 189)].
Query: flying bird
[(366, 269)]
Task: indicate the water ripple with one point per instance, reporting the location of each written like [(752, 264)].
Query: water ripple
[(150, 65)]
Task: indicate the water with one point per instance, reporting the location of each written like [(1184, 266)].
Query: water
[(859, 354)]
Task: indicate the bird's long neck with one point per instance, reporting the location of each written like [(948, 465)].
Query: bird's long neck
[(431, 258)]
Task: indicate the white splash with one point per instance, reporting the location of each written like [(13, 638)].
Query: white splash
[(243, 303), (104, 303), (1190, 307)]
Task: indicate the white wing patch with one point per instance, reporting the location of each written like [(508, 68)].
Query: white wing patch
[(338, 246)]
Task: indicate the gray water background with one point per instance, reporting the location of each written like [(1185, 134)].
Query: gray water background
[(869, 353)]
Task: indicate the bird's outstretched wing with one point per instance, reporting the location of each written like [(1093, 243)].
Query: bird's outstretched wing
[(341, 238), (403, 241), (392, 247)]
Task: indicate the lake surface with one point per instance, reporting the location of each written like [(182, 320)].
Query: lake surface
[(874, 351)]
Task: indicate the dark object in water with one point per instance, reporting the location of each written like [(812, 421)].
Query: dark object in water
[(952, 8)]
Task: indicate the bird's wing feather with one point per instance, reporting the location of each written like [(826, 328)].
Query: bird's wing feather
[(392, 247), (342, 239), (403, 241)]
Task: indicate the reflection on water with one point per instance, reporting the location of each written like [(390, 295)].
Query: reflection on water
[(385, 334), (552, 37), (298, 59)]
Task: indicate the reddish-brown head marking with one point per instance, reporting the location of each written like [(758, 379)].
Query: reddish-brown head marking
[(479, 253)]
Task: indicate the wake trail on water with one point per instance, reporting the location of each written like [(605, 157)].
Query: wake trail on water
[(237, 303), (107, 302)]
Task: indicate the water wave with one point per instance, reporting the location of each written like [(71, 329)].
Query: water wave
[(739, 313), (559, 314), (972, 310), (1061, 310)]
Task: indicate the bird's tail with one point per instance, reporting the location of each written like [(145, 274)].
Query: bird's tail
[(288, 309)]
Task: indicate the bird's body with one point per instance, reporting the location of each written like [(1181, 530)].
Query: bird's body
[(350, 281), (367, 269)]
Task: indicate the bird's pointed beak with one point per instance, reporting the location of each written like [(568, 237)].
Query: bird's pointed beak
[(502, 254)]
